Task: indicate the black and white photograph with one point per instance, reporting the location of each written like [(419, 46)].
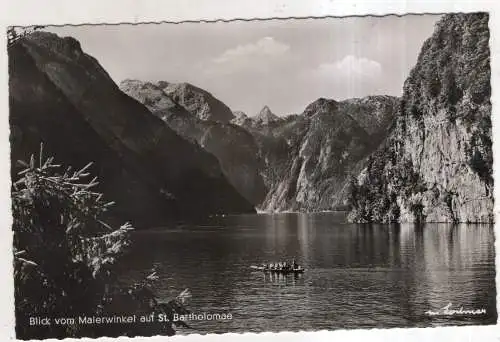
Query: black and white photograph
[(248, 176)]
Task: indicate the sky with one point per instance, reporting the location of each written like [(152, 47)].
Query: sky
[(284, 64)]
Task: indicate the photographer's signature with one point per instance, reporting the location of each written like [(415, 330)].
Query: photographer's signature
[(458, 311)]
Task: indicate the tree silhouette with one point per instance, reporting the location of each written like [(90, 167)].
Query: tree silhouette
[(15, 33)]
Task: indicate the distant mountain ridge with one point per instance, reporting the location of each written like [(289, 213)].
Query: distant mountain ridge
[(62, 97), (271, 160), (311, 159), (232, 145), (197, 101), (325, 144), (239, 118), (425, 157)]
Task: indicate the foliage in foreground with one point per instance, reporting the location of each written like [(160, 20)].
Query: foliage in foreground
[(64, 258), (14, 34)]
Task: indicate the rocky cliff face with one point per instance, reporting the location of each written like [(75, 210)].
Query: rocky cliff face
[(197, 101), (239, 118), (264, 121), (233, 146), (299, 162), (63, 97), (316, 151), (436, 165)]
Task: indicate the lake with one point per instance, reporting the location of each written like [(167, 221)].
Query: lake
[(357, 276)]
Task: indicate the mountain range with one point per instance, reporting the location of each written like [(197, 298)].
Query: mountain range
[(63, 98), (173, 150)]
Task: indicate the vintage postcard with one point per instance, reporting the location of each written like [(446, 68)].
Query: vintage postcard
[(212, 177)]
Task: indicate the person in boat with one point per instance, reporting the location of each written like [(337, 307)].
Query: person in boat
[(294, 264)]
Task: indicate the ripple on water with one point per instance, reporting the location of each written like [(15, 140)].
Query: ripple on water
[(357, 276)]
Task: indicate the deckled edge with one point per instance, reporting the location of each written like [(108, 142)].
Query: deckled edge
[(60, 12)]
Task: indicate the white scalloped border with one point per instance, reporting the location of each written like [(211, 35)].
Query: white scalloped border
[(29, 12)]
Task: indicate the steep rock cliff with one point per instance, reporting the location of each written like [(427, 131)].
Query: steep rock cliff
[(61, 96), (233, 146), (314, 153), (436, 165)]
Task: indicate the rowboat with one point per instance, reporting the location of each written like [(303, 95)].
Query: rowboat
[(278, 270)]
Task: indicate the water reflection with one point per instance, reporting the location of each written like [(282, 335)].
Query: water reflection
[(450, 264), (357, 276), (281, 279)]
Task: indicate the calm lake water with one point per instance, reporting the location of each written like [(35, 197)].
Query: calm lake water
[(358, 276)]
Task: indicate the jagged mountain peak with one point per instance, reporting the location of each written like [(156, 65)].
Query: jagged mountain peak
[(266, 116), (152, 96), (162, 84), (321, 105), (197, 101), (266, 111), (240, 114), (240, 118)]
